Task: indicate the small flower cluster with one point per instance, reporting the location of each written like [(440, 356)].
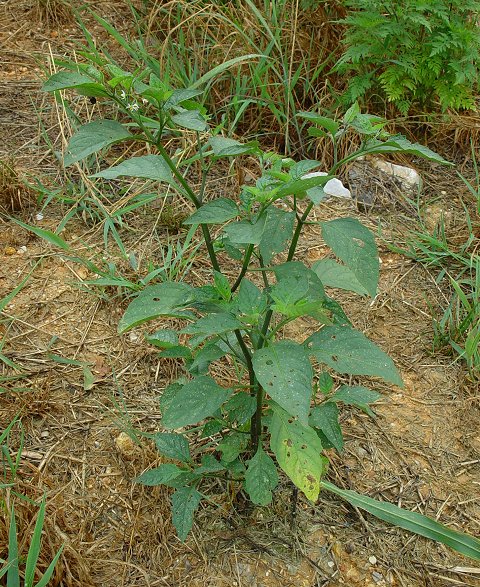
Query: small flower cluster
[(132, 106)]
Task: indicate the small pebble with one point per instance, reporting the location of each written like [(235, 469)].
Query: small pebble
[(39, 217), (133, 337), (377, 577), (331, 564), (372, 560), (45, 434), (22, 250)]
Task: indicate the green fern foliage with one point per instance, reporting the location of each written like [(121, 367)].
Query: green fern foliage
[(422, 52)]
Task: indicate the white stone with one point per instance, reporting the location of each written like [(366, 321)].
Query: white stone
[(39, 217), (409, 178)]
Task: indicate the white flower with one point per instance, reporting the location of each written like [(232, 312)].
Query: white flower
[(144, 101), (133, 107), (123, 95), (333, 187)]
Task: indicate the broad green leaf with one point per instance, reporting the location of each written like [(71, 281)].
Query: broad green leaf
[(209, 465), (195, 401), (222, 285), (178, 96), (325, 418), (176, 352), (205, 356), (284, 371), (357, 396), (190, 119), (92, 137), (216, 212), (212, 427), (163, 339), (240, 408), (297, 449), (246, 232), (250, 302), (213, 324), (349, 351), (261, 478), (83, 84), (298, 292), (169, 393), (151, 167), (332, 274), (47, 235), (411, 521), (174, 446), (325, 382), (160, 475), (300, 186), (164, 299), (232, 446), (225, 147), (185, 502), (277, 232), (328, 123), (298, 170), (355, 245)]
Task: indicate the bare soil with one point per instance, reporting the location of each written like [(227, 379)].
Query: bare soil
[(82, 444)]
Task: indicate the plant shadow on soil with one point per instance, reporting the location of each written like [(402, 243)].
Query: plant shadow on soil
[(421, 451)]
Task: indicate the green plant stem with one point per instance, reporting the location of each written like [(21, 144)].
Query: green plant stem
[(196, 201), (298, 230), (246, 261)]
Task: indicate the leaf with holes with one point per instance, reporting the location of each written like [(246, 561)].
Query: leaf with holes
[(163, 339), (196, 400), (284, 371), (355, 246), (297, 449), (164, 299), (277, 232), (325, 419), (92, 137), (349, 351), (261, 478), (185, 502)]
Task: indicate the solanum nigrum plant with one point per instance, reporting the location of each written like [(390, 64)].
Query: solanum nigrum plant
[(282, 412)]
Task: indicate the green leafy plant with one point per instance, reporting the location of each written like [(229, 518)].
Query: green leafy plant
[(282, 410), (416, 52)]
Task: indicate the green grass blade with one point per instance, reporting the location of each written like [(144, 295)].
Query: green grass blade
[(13, 574), (49, 572), (35, 545), (411, 521), (222, 67), (47, 235)]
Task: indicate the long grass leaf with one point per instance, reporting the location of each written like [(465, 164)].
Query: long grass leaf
[(35, 545), (13, 574), (412, 521)]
